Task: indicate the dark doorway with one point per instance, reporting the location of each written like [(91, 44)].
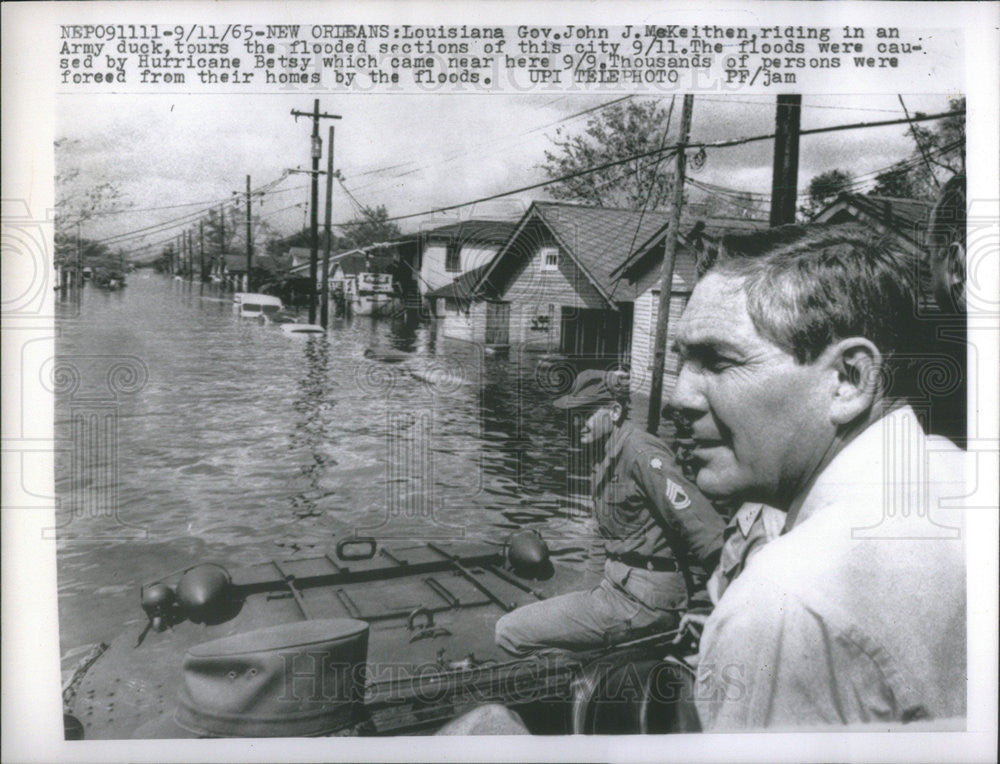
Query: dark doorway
[(596, 333)]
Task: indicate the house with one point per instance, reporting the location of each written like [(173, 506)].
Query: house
[(300, 255), (641, 272), (267, 269), (344, 267), (453, 302), (903, 219), (550, 286), (234, 272), (447, 252)]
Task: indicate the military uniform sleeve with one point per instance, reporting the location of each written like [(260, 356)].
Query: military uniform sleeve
[(769, 661), (679, 504)]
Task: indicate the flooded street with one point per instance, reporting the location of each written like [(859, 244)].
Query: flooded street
[(190, 435)]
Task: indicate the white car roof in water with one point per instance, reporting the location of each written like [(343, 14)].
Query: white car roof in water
[(255, 297)]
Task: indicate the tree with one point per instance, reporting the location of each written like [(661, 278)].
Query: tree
[(79, 198), (613, 134), (823, 189), (220, 231), (369, 226), (943, 145), (938, 154), (898, 181)]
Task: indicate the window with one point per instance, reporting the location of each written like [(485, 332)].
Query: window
[(452, 257), (549, 257)]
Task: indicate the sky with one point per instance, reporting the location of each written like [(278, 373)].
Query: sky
[(411, 152)]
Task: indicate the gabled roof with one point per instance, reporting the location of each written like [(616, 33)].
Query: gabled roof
[(236, 263), (906, 217), (271, 263), (351, 263), (480, 231), (462, 288), (302, 253), (377, 257), (695, 232), (596, 239)]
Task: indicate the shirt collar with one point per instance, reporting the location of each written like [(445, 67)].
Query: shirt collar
[(860, 467), (746, 516)]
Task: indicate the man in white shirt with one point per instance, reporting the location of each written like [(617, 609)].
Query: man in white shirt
[(793, 388)]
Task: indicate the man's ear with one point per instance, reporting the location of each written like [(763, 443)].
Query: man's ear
[(858, 367), (616, 412)]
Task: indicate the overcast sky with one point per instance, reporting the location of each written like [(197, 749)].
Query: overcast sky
[(413, 153)]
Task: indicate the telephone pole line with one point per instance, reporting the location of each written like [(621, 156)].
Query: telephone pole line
[(324, 312), (201, 251), (667, 271), (223, 271), (249, 242), (316, 151), (785, 174)]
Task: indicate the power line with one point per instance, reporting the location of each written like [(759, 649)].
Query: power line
[(662, 150), (191, 216), (474, 149), (714, 144), (856, 182)]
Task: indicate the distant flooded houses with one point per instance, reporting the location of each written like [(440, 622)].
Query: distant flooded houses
[(581, 282), (567, 280)]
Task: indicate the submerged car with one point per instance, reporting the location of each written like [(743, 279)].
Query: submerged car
[(294, 328), (254, 305)]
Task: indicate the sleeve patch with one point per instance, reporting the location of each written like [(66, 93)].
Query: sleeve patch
[(676, 494), (655, 463)]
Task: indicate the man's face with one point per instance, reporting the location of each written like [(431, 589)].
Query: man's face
[(759, 421), (596, 422)]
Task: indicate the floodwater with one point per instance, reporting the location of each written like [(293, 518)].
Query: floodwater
[(190, 435)]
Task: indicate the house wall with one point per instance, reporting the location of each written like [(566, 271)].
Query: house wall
[(432, 271), (455, 322), (536, 298), (643, 335), (477, 321)]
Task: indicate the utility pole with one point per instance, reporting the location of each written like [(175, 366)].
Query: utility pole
[(249, 242), (222, 243), (667, 271), (324, 313), (316, 152), (785, 174), (190, 254), (78, 277), (201, 251)]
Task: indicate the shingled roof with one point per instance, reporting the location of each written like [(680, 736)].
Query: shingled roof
[(905, 217), (482, 231), (461, 289), (597, 239)]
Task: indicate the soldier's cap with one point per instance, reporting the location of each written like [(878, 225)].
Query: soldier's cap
[(301, 679), (595, 387)]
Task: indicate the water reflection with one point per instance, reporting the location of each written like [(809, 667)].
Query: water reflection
[(244, 439), (312, 432)]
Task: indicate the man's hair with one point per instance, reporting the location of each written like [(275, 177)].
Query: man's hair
[(809, 286)]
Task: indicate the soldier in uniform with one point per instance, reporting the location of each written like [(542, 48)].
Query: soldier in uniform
[(661, 535)]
